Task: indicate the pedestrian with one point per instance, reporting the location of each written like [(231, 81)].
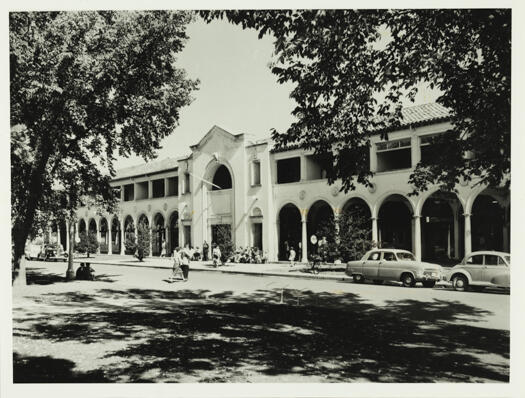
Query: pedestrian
[(163, 250), (205, 248), (216, 256), (292, 256), (185, 266), (176, 268)]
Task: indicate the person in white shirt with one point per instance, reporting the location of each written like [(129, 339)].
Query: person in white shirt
[(292, 256)]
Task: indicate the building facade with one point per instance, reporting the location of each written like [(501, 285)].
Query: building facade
[(273, 199)]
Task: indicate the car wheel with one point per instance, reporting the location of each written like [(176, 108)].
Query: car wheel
[(358, 278), (378, 281), (408, 280), (460, 283), (429, 283)]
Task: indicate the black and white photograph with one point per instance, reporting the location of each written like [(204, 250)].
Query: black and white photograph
[(298, 199)]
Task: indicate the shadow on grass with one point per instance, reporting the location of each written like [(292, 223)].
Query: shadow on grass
[(32, 369), (39, 276), (337, 337)]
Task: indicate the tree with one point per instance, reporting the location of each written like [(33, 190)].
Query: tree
[(343, 62), (224, 241), (143, 241), (130, 243), (88, 243), (86, 86)]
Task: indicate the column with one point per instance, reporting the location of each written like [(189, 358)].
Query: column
[(415, 150), (98, 234), (304, 241), (150, 222), (417, 237), (274, 255), (59, 241), (468, 235), (122, 237), (67, 236), (375, 237), (165, 187), (456, 235), (303, 167), (110, 242), (150, 189), (77, 226)]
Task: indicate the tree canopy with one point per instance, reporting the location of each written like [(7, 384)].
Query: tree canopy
[(353, 69), (85, 87)]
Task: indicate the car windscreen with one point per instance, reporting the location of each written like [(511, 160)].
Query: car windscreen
[(405, 256), (507, 259)]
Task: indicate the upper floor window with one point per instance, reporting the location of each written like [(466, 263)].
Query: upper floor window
[(222, 179), (394, 155), (173, 186), (288, 170), (256, 173), (158, 188), (129, 192)]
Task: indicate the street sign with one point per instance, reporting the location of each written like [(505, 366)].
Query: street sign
[(313, 239)]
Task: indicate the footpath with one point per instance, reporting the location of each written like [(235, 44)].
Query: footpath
[(332, 272)]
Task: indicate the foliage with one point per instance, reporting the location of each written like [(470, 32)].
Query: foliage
[(353, 70), (104, 247), (143, 241), (88, 243), (130, 243), (353, 239), (224, 241), (86, 86)]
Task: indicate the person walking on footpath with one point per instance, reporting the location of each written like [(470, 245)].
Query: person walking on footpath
[(185, 265), (205, 248), (176, 263), (292, 256)]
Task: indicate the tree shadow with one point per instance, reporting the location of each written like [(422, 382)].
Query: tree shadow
[(40, 276), (46, 369), (225, 336)]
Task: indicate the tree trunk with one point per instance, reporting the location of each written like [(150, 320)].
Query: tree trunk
[(70, 273)]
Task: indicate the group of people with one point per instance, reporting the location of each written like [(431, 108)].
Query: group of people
[(249, 255), (85, 272), (181, 262)]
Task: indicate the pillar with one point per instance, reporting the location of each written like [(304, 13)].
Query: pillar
[(375, 235), (303, 168), (150, 226), (274, 256), (456, 235), (77, 227), (415, 150), (59, 240), (304, 241), (110, 241), (98, 234), (122, 238), (417, 237), (468, 235), (67, 237)]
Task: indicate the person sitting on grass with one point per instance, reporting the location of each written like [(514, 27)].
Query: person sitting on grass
[(80, 272)]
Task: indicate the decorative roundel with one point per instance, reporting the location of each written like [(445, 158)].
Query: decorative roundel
[(165, 207), (302, 194), (149, 208), (335, 190), (372, 188)]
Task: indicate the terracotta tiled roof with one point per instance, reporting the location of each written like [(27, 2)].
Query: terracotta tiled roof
[(424, 113), (147, 168)]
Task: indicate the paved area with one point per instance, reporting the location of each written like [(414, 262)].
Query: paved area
[(132, 325)]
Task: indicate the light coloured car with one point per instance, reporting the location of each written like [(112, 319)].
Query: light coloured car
[(32, 251), (481, 269), (380, 265)]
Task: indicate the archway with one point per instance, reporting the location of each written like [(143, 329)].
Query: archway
[(442, 228), (116, 236), (129, 232), (357, 211), (289, 230), (158, 234), (174, 231), (320, 222), (81, 226), (222, 179), (395, 223), (104, 236), (92, 226), (490, 222)]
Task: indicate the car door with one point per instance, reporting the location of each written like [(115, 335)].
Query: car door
[(371, 265), (474, 265), (388, 266), (495, 271)]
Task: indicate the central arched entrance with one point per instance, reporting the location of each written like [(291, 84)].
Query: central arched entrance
[(395, 223), (158, 234), (442, 226), (320, 222), (289, 230)]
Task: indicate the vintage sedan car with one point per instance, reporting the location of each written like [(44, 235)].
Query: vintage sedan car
[(481, 269), (381, 265)]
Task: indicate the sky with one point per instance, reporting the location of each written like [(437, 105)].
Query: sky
[(237, 90)]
